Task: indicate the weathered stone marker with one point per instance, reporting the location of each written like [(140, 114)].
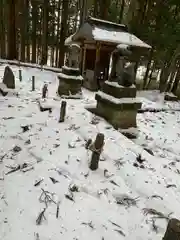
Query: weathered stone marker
[(62, 111), (96, 151), (173, 230), (70, 80), (20, 75), (33, 83), (8, 78)]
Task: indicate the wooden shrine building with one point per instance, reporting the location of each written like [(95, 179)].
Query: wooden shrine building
[(98, 38)]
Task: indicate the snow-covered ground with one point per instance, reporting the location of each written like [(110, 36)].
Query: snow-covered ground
[(120, 204)]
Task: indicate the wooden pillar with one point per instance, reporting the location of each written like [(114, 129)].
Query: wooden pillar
[(84, 59), (98, 47)]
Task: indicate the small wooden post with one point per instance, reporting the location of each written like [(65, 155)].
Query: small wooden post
[(62, 111), (20, 75), (97, 149), (173, 230), (44, 91), (33, 83)]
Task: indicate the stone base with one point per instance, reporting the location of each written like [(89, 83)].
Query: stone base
[(69, 84), (121, 113), (170, 97), (118, 91)]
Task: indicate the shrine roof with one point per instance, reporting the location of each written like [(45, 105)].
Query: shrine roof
[(104, 31)]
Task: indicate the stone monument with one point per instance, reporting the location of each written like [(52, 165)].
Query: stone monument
[(117, 101), (9, 79), (70, 80)]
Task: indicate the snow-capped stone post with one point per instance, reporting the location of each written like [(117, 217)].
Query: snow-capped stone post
[(173, 230), (44, 91), (33, 83), (96, 149), (62, 111), (20, 75)]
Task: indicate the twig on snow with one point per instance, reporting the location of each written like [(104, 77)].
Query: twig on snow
[(46, 197), (40, 217), (152, 211), (126, 200), (57, 210), (88, 224), (37, 183)]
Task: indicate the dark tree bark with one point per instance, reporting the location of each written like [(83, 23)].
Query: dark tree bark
[(104, 6), (64, 18), (121, 11), (173, 230), (27, 31), (2, 31), (145, 80), (12, 50), (176, 82), (34, 29), (58, 26), (22, 28), (45, 33)]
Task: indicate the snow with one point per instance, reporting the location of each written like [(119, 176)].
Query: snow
[(117, 100), (101, 34), (57, 150)]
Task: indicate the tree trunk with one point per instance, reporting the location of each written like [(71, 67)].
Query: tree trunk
[(150, 75), (173, 73), (121, 11), (44, 56), (2, 30), (34, 30), (104, 6), (173, 230), (58, 26), (22, 28), (83, 14), (145, 80), (64, 19), (176, 82), (12, 50), (27, 31), (168, 68), (53, 34), (95, 12)]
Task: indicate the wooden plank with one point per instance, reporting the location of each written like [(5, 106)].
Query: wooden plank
[(83, 60), (97, 61)]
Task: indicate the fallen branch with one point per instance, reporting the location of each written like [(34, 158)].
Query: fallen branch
[(57, 210), (46, 197), (88, 224), (154, 212), (40, 217)]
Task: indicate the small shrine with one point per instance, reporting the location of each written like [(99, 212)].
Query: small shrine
[(97, 40), (70, 80)]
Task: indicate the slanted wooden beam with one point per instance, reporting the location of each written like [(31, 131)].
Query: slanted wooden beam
[(98, 48)]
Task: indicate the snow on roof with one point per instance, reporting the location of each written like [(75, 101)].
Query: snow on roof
[(109, 35)]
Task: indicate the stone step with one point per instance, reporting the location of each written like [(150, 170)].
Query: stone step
[(71, 71), (118, 91)]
